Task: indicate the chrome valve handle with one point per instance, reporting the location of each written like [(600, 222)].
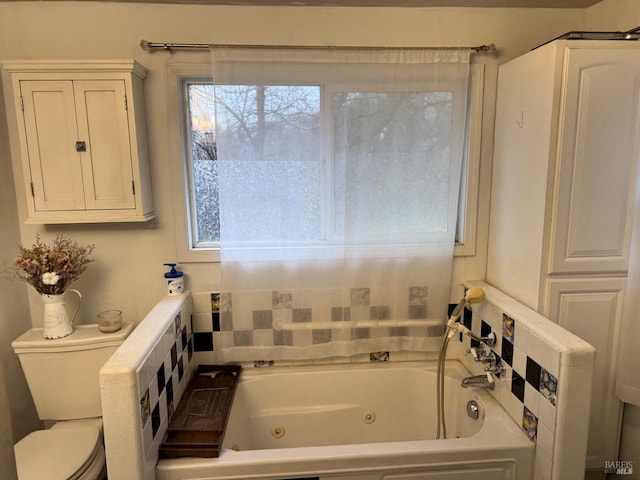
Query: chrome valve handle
[(481, 354), (496, 367)]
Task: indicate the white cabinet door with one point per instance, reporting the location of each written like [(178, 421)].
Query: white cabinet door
[(597, 160), (591, 308), (101, 107), (51, 133)]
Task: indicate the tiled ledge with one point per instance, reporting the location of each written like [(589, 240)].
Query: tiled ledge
[(546, 386), (141, 383)]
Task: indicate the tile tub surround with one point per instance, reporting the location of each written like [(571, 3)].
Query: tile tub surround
[(213, 318), (140, 385), (546, 386)]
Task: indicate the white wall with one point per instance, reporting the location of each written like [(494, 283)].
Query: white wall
[(17, 412)]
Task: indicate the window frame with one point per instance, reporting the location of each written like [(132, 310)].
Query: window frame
[(185, 82), (181, 74)]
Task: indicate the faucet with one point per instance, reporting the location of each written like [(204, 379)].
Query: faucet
[(481, 381), (483, 353)]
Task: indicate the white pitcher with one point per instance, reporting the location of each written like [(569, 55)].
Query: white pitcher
[(56, 320)]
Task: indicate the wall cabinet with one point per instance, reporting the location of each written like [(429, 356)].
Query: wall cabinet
[(82, 136), (564, 175)]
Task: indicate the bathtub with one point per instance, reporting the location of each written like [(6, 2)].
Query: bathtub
[(360, 422)]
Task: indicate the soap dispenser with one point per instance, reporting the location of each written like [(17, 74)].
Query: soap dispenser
[(175, 280)]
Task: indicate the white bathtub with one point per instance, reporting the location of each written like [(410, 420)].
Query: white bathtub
[(360, 422)]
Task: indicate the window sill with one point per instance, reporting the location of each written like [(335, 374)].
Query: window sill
[(212, 255)]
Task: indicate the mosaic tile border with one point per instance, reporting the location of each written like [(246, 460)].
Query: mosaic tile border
[(168, 366), (298, 307), (288, 307), (529, 383)]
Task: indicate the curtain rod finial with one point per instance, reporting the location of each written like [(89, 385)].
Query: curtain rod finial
[(486, 48), (144, 45)]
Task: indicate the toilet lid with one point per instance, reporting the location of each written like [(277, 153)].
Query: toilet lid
[(56, 454)]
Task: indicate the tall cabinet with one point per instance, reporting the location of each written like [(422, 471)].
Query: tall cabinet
[(565, 170)]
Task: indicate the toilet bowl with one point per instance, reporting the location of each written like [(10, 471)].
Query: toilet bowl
[(62, 375)]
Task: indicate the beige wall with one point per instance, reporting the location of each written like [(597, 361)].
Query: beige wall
[(7, 460), (17, 413), (613, 15), (127, 273)]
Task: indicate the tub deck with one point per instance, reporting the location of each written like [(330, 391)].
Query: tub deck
[(328, 435)]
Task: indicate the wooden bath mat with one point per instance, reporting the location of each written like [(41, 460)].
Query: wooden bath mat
[(198, 424)]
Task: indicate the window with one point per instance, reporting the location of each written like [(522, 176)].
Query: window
[(202, 165), (296, 111)]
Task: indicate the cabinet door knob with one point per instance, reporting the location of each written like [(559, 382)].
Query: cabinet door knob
[(81, 146)]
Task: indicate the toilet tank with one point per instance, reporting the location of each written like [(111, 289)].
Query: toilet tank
[(62, 373)]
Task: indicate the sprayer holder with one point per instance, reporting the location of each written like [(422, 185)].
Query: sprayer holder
[(454, 327)]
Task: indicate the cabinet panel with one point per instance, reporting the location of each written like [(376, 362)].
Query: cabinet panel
[(524, 130), (103, 125), (597, 161), (56, 175), (591, 308)]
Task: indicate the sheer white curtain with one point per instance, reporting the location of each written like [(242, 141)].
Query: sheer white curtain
[(339, 174)]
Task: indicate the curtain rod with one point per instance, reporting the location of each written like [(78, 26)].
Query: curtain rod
[(151, 46)]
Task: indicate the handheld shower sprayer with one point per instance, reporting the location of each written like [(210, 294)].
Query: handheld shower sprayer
[(473, 295)]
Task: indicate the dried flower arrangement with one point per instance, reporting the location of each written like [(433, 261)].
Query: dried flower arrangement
[(51, 268)]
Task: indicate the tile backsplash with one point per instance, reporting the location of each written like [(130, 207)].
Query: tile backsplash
[(535, 387), (215, 322)]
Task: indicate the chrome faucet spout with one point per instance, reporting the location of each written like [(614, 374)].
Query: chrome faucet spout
[(479, 381)]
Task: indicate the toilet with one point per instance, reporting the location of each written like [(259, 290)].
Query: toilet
[(62, 375)]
